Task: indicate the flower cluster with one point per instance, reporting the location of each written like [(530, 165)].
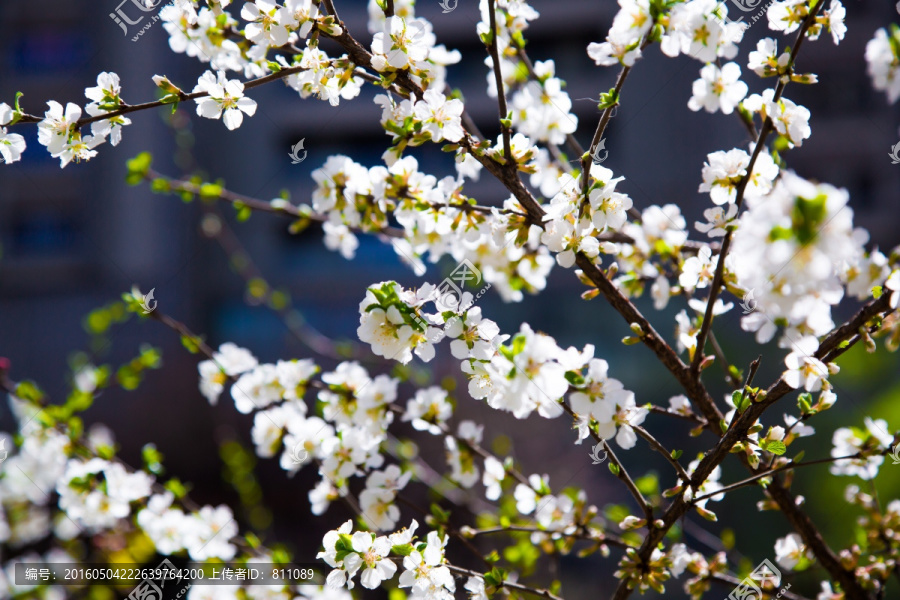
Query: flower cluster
[(695, 29), (60, 131), (205, 534), (97, 493), (786, 16), (435, 218), (797, 216), (866, 445), (11, 144), (40, 462), (425, 572), (883, 58), (572, 224), (623, 40)]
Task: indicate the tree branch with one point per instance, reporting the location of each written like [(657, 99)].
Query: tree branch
[(767, 128), (498, 79)]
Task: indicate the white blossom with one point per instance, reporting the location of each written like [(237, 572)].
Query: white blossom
[(883, 63), (440, 117), (790, 550), (428, 410), (225, 99), (228, 361), (868, 443), (718, 89)]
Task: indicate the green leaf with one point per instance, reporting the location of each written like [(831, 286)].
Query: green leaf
[(192, 343), (170, 99), (210, 190), (17, 113), (403, 549), (28, 390), (672, 492), (574, 378), (152, 459), (178, 489), (648, 484), (440, 515), (706, 514), (676, 454), (728, 538), (105, 451), (608, 99), (138, 167), (807, 217), (613, 468), (243, 211), (775, 447), (79, 401)]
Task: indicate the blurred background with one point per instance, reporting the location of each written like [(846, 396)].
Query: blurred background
[(74, 240)]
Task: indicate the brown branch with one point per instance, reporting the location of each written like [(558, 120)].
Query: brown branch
[(508, 584), (767, 128), (598, 133), (181, 185), (621, 473), (498, 78), (182, 97), (770, 472), (662, 450), (591, 536)]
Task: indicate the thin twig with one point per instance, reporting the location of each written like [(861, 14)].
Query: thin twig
[(508, 584), (767, 128), (498, 78), (662, 450), (621, 473)]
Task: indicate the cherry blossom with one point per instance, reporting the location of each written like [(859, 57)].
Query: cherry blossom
[(11, 144), (225, 99), (718, 89), (883, 61)]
